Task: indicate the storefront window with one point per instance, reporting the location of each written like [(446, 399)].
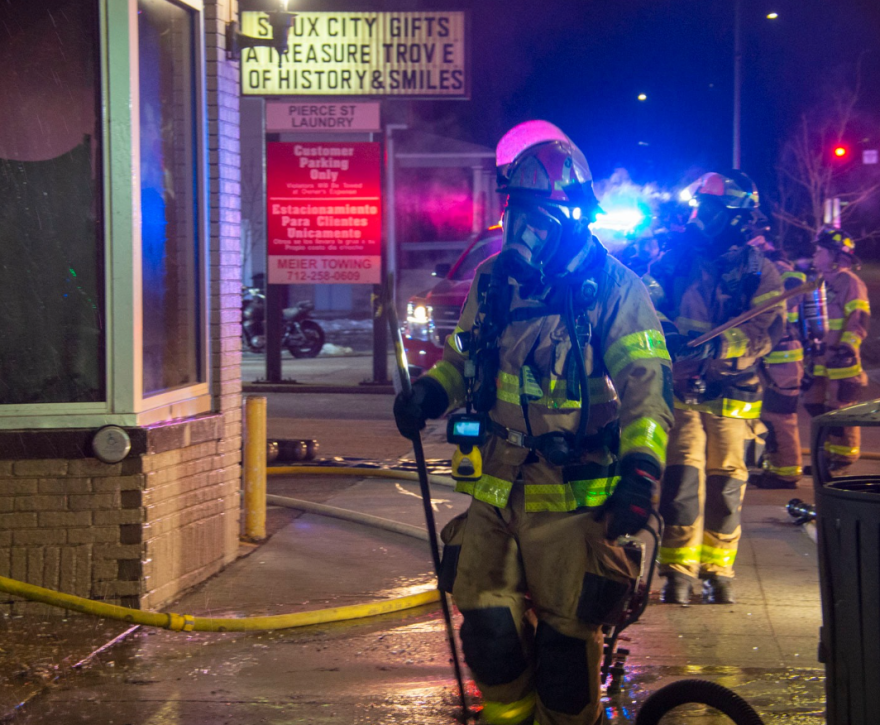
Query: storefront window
[(169, 208), (52, 308)]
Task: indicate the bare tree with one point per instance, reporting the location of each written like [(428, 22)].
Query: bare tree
[(809, 176)]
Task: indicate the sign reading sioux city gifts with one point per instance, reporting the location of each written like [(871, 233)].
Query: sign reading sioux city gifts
[(359, 54), (324, 213)]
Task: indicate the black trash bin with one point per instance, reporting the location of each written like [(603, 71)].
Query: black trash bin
[(848, 525)]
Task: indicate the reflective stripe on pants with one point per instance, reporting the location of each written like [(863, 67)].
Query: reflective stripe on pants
[(702, 493)]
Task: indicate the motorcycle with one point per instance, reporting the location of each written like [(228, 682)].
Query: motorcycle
[(253, 319), (302, 336)]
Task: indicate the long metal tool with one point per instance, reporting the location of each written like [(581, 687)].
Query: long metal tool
[(755, 311), (421, 466)]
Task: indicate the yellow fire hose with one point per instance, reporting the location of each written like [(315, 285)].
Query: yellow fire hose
[(190, 623)]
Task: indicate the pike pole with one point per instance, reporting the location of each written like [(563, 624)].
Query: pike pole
[(422, 468), (755, 311)]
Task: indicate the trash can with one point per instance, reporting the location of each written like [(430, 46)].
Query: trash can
[(848, 526)]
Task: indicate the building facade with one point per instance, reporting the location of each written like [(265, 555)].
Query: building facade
[(120, 278)]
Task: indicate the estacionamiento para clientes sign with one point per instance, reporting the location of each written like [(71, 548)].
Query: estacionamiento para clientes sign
[(360, 54)]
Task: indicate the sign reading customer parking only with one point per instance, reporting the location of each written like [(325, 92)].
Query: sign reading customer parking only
[(418, 54), (324, 219)]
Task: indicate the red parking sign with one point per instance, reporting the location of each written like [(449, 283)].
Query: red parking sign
[(324, 215)]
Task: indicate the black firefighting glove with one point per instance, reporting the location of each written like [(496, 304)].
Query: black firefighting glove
[(677, 344), (841, 357), (428, 399), (630, 504)]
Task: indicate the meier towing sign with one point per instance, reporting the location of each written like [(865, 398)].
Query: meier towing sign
[(324, 218), (419, 54)]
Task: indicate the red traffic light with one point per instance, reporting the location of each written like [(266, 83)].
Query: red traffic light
[(840, 151)]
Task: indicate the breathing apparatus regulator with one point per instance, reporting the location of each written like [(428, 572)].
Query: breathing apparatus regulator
[(547, 248)]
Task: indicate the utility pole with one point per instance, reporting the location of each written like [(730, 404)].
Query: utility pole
[(737, 80)]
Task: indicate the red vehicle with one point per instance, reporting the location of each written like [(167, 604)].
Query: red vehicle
[(432, 315)]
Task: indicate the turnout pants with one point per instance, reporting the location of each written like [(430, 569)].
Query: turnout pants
[(702, 494), (782, 386), (560, 565), (842, 447)]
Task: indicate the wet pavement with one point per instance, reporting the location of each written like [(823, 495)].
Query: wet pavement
[(395, 669)]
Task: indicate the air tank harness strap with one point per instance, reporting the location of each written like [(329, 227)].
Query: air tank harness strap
[(607, 437)]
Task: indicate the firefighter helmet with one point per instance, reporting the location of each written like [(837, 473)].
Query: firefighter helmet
[(550, 196), (723, 201), (836, 240)]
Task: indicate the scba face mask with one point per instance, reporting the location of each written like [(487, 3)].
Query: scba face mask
[(545, 237)]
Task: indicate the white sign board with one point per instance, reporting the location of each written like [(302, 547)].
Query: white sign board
[(322, 117), (419, 54), (869, 156)]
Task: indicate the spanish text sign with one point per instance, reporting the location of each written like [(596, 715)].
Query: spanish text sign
[(324, 218), (359, 54)]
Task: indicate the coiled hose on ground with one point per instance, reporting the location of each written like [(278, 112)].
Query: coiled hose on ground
[(702, 692)]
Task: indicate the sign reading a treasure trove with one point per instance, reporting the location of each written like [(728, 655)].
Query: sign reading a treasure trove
[(420, 54)]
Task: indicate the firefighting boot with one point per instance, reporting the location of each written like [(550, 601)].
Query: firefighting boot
[(718, 590), (768, 480), (677, 589)]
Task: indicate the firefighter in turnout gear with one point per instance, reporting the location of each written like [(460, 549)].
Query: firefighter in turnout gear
[(838, 378), (708, 278), (559, 348), (782, 373)]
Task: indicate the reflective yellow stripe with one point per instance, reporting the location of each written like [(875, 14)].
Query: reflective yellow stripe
[(785, 356), (505, 713), (851, 339), (589, 493), (716, 556), (820, 371), (843, 373), (635, 346), (800, 276), (452, 381), (793, 316), (848, 451), (853, 305), (763, 298), (686, 555), (549, 497), (452, 341), (783, 471), (686, 325), (835, 324), (491, 490), (725, 407), (645, 433), (593, 492), (556, 395), (737, 343)]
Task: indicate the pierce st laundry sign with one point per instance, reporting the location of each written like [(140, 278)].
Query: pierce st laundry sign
[(322, 117), (324, 215), (420, 54)]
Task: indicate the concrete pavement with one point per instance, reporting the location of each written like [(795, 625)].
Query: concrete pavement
[(395, 669)]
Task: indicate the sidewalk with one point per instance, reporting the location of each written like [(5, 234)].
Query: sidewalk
[(395, 669)]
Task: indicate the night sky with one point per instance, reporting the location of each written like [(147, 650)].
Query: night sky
[(582, 63)]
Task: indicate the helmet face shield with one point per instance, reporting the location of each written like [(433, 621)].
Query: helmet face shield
[(710, 215), (534, 233)]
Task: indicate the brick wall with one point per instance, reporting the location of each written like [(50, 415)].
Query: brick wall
[(140, 532), (135, 533)]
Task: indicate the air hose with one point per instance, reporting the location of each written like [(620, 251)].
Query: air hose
[(702, 692)]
